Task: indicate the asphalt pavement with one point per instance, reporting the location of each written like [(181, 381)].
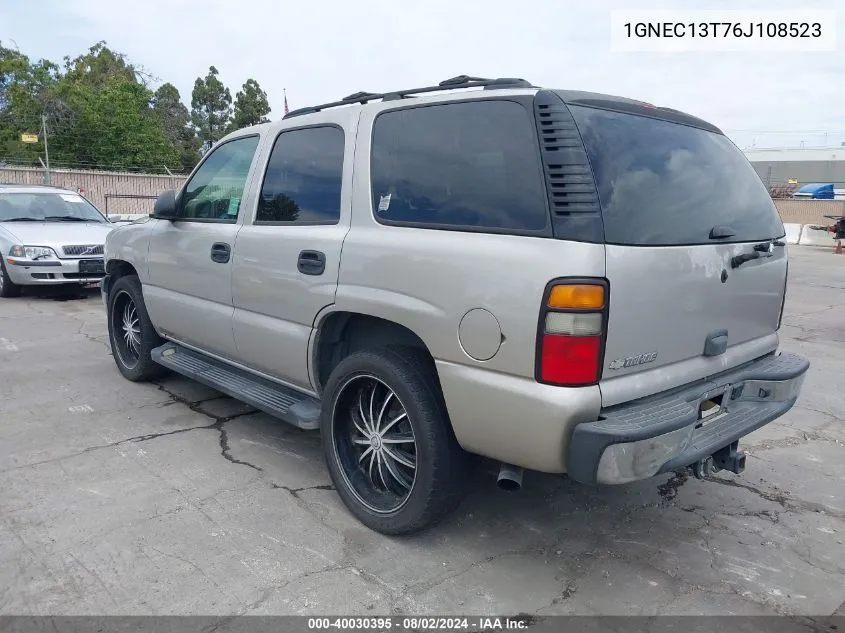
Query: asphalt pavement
[(169, 498)]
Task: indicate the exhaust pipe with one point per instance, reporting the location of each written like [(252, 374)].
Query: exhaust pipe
[(510, 477)]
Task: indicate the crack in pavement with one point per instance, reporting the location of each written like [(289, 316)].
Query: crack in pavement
[(427, 585), (294, 492), (820, 411), (566, 593), (81, 332), (195, 406), (771, 515), (787, 442), (218, 424), (782, 498)]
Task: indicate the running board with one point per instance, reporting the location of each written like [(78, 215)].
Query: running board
[(277, 400)]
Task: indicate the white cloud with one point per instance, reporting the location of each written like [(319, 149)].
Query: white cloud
[(324, 49)]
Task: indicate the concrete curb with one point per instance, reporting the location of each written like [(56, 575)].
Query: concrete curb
[(815, 237), (793, 233)]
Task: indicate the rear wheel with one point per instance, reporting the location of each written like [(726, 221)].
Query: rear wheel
[(131, 332), (388, 441), (8, 289)]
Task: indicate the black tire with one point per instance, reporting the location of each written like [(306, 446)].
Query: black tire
[(133, 360), (8, 289), (441, 468)]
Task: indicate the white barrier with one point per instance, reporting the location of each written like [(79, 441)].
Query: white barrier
[(793, 233), (815, 237)]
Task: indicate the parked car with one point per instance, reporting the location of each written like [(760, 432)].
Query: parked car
[(49, 236), (815, 191), (560, 281)]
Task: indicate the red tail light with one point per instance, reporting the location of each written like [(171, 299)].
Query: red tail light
[(570, 340)]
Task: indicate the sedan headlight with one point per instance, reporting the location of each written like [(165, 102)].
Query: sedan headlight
[(32, 252)]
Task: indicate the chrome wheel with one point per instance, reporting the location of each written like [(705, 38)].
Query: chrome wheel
[(374, 443), (126, 329)]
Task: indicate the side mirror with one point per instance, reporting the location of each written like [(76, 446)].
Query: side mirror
[(165, 206), (114, 217)]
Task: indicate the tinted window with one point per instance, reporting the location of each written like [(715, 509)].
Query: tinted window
[(215, 190), (304, 177), (472, 165), (664, 184)]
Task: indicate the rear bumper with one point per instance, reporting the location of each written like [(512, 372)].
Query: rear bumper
[(664, 433)]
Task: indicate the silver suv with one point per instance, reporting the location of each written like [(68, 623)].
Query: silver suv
[(560, 281)]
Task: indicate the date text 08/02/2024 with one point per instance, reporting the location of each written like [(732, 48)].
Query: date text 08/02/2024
[(420, 623)]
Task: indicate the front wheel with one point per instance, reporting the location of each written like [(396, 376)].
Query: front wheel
[(8, 289), (388, 442), (131, 332)]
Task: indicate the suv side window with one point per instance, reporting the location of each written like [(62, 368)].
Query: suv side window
[(215, 190), (471, 166), (303, 179)]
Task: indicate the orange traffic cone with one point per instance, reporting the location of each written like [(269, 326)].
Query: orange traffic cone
[(838, 249)]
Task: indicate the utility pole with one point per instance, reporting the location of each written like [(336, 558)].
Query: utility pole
[(170, 173), (46, 153)]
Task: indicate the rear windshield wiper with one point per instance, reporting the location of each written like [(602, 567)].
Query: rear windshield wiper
[(719, 232), (763, 249), (68, 218)]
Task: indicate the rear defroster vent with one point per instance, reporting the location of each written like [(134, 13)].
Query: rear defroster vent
[(576, 214)]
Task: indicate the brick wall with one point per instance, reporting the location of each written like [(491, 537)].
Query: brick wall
[(809, 211), (101, 186)]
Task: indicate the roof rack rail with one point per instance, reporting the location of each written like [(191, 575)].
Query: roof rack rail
[(453, 83)]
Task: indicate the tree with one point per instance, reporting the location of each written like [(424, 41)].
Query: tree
[(101, 115), (99, 66), (211, 107), (101, 112), (126, 130), (278, 207), (175, 120), (24, 91), (251, 106)]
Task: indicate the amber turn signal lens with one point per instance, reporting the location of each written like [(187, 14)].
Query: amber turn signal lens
[(577, 296)]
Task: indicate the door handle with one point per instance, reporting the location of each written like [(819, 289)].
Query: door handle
[(311, 263), (220, 252)]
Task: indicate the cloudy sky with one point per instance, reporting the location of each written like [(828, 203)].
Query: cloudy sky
[(321, 50)]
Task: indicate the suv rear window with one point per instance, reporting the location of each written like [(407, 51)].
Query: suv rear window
[(471, 166), (667, 184)]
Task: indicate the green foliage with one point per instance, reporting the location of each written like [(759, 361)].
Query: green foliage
[(99, 67), (24, 89), (251, 106), (174, 118), (211, 107), (278, 208), (101, 112)]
